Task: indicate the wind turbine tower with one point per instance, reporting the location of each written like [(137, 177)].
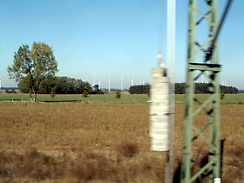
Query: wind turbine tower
[(109, 82), (131, 81), (121, 83), (94, 78)]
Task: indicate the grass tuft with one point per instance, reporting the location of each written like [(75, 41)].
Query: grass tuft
[(127, 149)]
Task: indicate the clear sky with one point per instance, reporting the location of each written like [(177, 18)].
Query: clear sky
[(117, 37)]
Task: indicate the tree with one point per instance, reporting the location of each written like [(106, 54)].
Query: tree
[(35, 66)]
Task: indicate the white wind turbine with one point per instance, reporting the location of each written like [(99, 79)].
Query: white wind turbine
[(121, 87), (109, 82), (131, 81), (99, 84), (94, 78)]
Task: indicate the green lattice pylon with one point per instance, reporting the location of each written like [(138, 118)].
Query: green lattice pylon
[(201, 142)]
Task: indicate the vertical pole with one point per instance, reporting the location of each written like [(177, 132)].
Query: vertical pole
[(169, 168), (109, 83), (186, 157), (217, 170)]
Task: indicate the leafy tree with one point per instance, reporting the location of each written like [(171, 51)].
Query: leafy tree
[(35, 66)]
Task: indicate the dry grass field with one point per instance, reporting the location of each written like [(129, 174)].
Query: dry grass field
[(99, 142)]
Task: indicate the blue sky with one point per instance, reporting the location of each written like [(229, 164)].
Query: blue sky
[(117, 37)]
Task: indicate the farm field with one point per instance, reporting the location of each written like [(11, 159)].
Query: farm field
[(100, 142), (108, 98)]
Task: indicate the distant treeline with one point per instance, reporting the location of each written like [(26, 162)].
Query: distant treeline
[(139, 89), (204, 88), (60, 85), (240, 91), (200, 88)]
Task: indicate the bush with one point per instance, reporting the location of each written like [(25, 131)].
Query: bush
[(222, 95), (85, 94), (118, 94), (53, 94), (7, 91), (127, 149)]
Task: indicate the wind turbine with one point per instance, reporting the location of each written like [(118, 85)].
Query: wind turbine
[(121, 88), (109, 82), (131, 84), (94, 78), (99, 84)]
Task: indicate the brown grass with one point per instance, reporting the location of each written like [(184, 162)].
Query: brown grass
[(127, 149), (98, 142)]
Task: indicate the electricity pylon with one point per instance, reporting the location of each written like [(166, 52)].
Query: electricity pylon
[(207, 135)]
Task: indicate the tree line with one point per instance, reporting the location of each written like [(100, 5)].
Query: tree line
[(58, 85), (139, 89), (200, 88), (204, 88)]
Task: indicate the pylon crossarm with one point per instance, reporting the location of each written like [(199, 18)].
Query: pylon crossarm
[(201, 171), (204, 67)]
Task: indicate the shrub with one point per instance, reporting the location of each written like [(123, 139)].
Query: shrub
[(85, 93), (53, 93), (222, 95), (118, 94), (127, 149)]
